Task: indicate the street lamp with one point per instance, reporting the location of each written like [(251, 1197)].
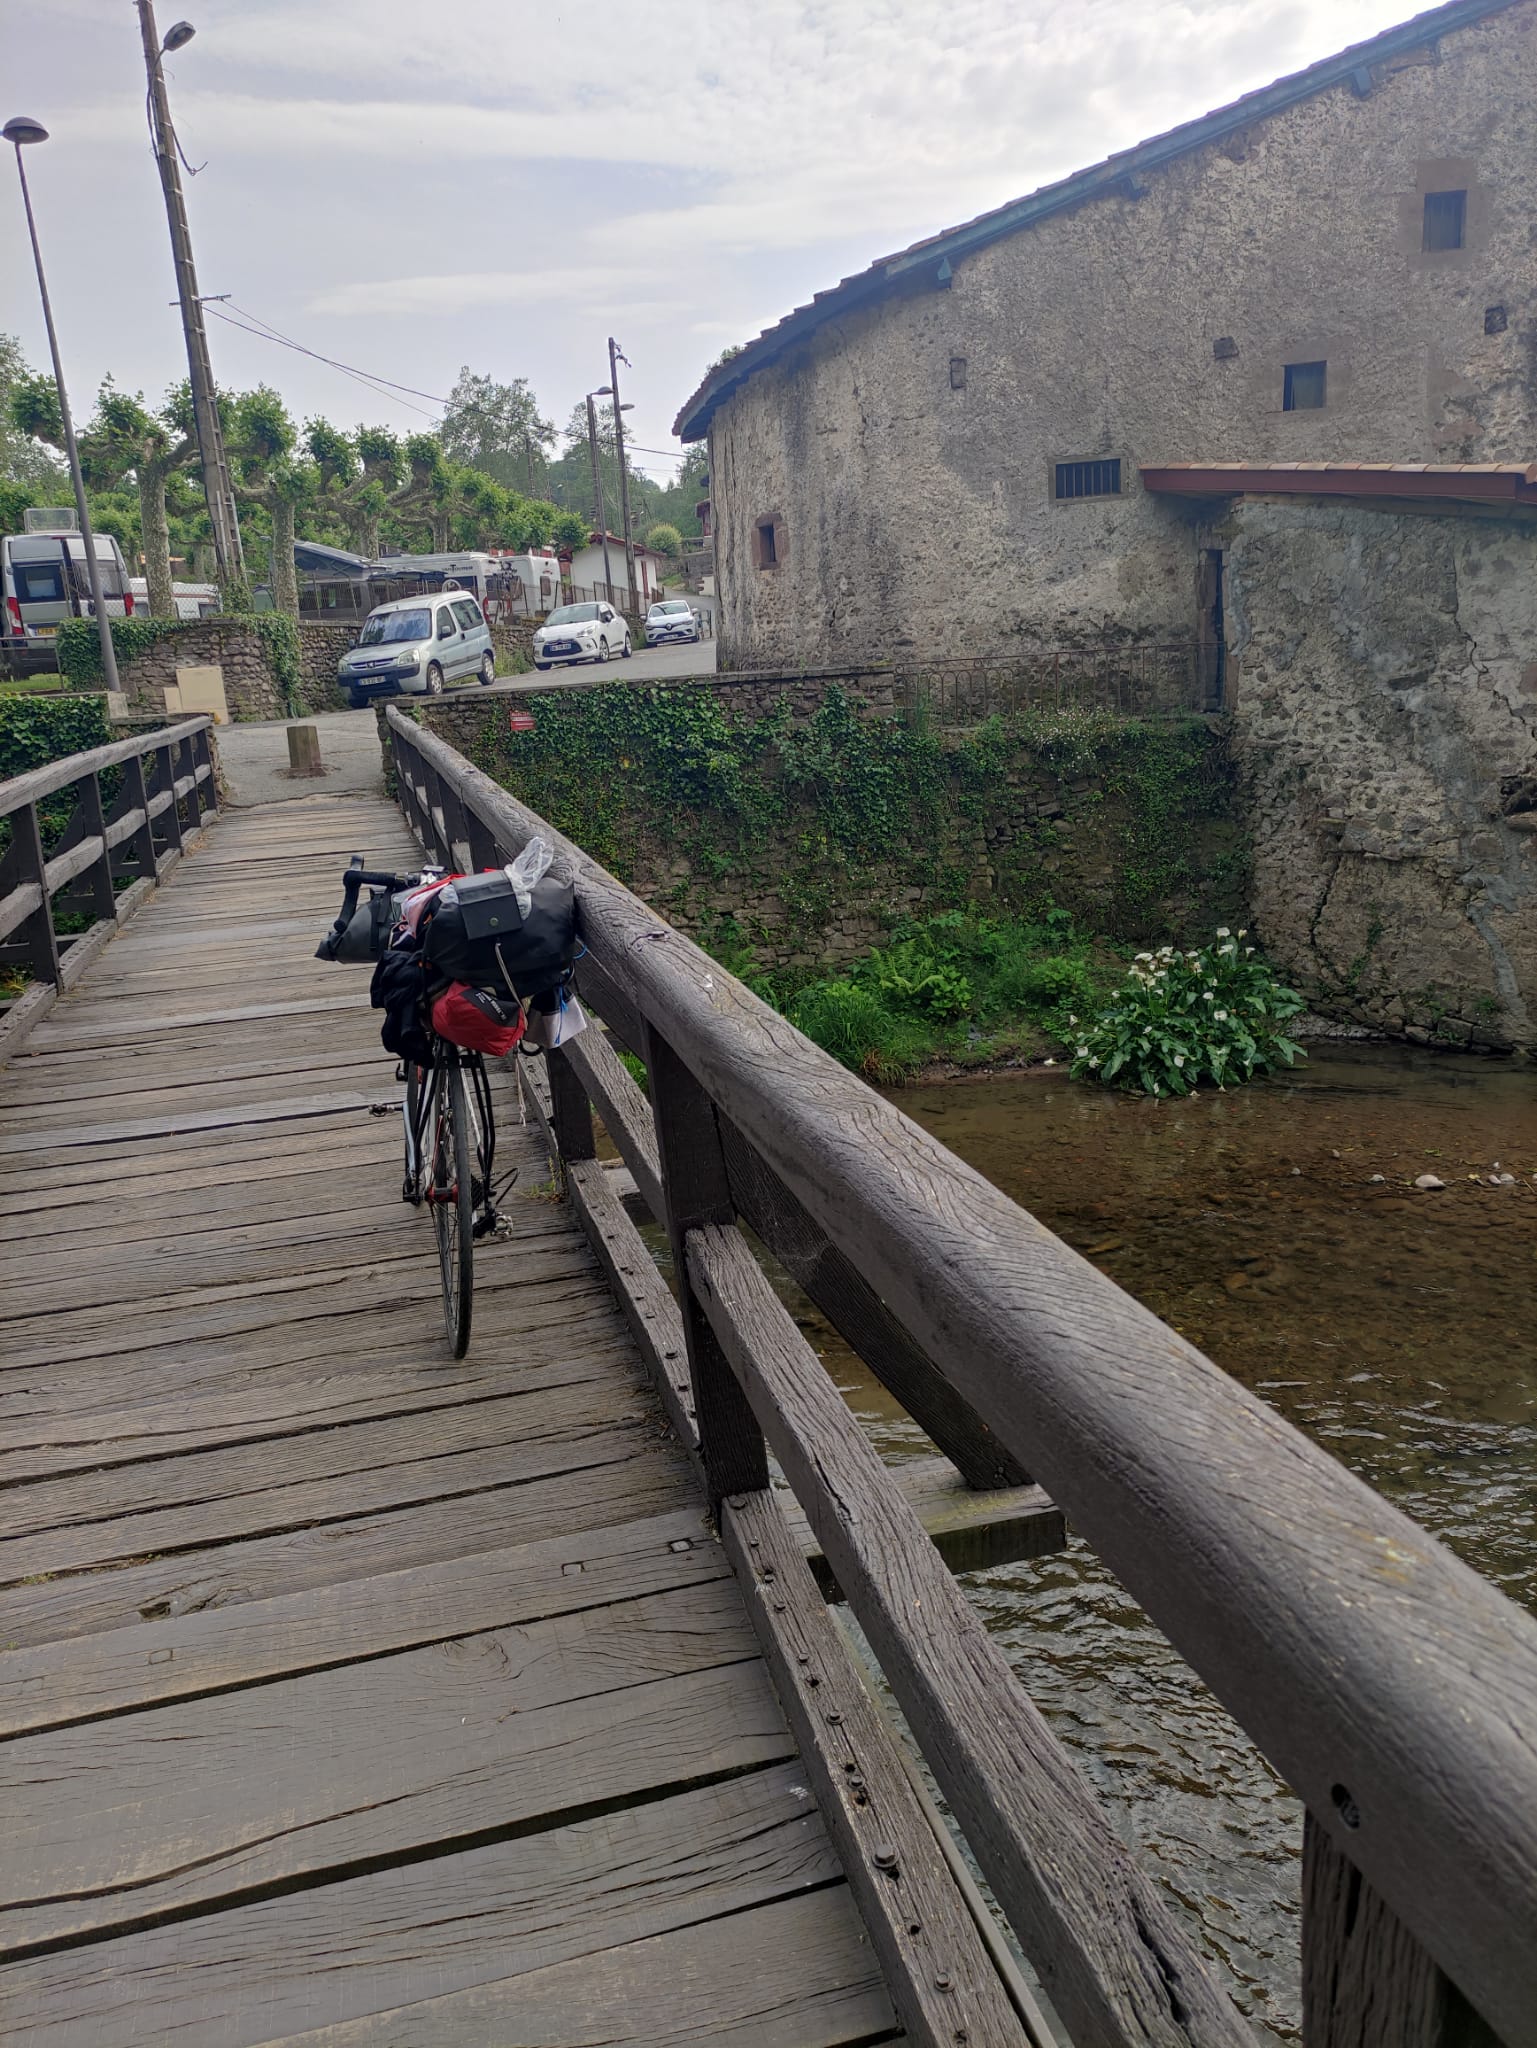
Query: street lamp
[(19, 132), (218, 485), (603, 391)]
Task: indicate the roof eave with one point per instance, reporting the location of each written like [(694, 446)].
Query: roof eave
[(1350, 66)]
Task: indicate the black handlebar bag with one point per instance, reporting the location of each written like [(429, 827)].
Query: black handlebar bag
[(479, 935)]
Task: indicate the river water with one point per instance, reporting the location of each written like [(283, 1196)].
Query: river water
[(1395, 1327)]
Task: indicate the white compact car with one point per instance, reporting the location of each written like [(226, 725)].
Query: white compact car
[(671, 618), (581, 632)]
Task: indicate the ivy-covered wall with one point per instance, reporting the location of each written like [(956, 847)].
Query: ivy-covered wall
[(817, 824), (260, 653)]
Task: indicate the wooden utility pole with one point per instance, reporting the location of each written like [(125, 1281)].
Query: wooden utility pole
[(218, 487), (597, 489), (614, 360)]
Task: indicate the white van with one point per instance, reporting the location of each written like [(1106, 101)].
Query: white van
[(44, 579)]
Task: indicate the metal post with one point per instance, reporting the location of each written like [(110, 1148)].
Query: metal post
[(87, 537), (217, 485), (624, 481), (597, 488)]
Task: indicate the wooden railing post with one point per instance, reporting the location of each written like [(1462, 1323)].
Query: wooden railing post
[(37, 934), (165, 779), (571, 1110), (139, 848), (1366, 1981), (187, 752), (98, 876), (697, 1191)]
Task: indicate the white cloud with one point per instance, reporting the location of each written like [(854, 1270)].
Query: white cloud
[(509, 191)]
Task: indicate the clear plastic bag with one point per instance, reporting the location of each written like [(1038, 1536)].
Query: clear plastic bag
[(528, 870)]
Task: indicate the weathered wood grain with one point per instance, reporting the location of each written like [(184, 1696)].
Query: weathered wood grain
[(937, 1969), (126, 1820), (1107, 1949), (625, 1111), (1351, 1646), (333, 1953), (791, 1975), (90, 1677), (649, 1477), (1366, 1981)]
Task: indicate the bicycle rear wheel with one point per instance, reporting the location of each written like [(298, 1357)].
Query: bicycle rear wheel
[(453, 1205)]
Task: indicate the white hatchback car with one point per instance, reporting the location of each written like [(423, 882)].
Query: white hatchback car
[(581, 632), (671, 618)]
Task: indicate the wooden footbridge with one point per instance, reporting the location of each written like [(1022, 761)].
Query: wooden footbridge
[(349, 1695)]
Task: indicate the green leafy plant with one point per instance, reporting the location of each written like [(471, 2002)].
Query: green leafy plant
[(1212, 1014), (852, 1023)]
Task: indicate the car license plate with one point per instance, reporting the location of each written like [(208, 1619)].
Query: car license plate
[(43, 632)]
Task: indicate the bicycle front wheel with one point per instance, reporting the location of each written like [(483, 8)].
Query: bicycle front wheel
[(453, 1206)]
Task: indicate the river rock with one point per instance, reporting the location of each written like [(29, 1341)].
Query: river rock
[(1427, 1181)]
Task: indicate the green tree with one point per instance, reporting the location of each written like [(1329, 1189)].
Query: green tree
[(663, 539), (571, 530), (496, 428), (22, 460), (262, 440), (125, 439)]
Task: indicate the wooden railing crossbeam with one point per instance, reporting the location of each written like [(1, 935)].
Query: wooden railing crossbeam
[(37, 783), (1119, 1968), (1385, 1680), (625, 1111)]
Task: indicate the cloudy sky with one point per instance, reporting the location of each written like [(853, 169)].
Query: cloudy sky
[(406, 187)]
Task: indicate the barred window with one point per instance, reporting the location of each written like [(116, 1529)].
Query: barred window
[(1089, 479), (1446, 216)]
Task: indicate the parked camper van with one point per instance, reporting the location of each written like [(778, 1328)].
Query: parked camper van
[(44, 580)]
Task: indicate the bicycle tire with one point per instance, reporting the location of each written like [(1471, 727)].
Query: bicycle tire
[(418, 1082), (453, 1207)]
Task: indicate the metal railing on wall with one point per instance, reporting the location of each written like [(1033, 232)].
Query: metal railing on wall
[(1135, 680), (1388, 1683)]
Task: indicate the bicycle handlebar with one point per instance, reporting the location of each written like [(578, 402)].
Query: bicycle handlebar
[(356, 878)]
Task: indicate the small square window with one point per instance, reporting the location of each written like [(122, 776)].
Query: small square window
[(1446, 219), (1089, 479), (957, 373), (1306, 385), (768, 546)]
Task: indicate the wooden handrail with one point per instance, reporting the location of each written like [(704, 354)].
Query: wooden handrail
[(37, 783), (98, 851), (1390, 1684)]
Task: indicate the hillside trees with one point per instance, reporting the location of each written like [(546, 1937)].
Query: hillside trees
[(496, 429)]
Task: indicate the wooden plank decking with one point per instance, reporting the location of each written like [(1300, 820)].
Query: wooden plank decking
[(349, 1694)]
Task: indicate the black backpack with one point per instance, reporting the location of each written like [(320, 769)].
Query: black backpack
[(399, 989), (482, 938)]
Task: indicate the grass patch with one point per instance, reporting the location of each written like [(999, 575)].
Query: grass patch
[(959, 987)]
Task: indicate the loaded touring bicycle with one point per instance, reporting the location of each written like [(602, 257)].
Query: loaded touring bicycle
[(464, 966)]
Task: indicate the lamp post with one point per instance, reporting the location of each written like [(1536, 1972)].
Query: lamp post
[(614, 360), (218, 487), (597, 480), (19, 133)]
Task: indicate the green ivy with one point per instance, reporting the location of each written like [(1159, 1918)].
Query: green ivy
[(80, 648), (842, 808), (37, 730)]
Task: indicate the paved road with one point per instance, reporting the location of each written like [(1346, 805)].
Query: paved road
[(255, 757)]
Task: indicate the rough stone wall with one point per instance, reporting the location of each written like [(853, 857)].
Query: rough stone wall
[(1383, 672), (1034, 833), (250, 688), (913, 515), (321, 646)]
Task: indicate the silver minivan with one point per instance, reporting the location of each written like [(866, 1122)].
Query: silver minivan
[(418, 645), (44, 580)]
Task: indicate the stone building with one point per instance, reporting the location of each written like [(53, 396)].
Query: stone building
[(1339, 267)]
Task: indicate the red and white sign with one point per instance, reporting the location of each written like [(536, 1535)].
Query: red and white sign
[(520, 721)]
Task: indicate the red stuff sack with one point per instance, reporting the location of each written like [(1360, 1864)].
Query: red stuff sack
[(477, 1020)]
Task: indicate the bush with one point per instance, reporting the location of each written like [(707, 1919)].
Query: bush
[(856, 1027), (37, 730), (663, 539), (1182, 1018)]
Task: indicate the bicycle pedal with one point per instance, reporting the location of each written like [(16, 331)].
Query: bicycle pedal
[(383, 1108)]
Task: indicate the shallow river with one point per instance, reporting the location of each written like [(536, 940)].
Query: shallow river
[(1395, 1327)]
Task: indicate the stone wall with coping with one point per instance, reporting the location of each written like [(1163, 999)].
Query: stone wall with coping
[(1383, 691), (321, 646), (250, 688), (1039, 834)]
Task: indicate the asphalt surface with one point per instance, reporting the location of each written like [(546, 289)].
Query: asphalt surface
[(254, 757)]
